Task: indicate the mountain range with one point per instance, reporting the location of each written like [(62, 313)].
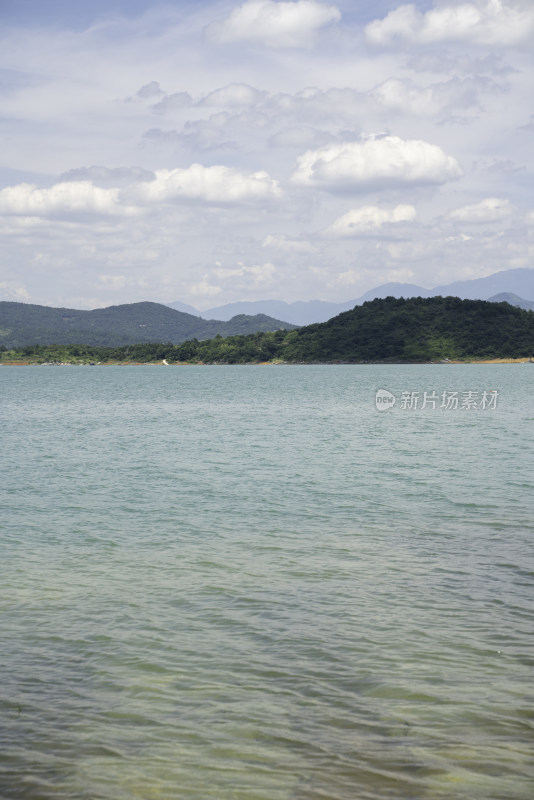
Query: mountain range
[(23, 324), (516, 284), (389, 330)]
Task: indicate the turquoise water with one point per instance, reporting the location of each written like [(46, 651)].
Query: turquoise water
[(246, 583)]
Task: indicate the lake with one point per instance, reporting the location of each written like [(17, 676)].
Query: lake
[(249, 583)]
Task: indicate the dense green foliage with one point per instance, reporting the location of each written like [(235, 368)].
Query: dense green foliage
[(386, 330), (417, 329), (23, 324)]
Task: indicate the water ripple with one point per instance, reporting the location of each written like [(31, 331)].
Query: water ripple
[(248, 584)]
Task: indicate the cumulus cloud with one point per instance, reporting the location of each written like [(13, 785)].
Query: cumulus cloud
[(492, 209), (251, 107), (369, 218), (68, 198), (482, 22), (406, 97), (246, 117), (286, 24), (374, 162), (79, 198), (217, 184)]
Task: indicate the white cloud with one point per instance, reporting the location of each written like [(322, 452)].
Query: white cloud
[(492, 209), (80, 199), (370, 218), (403, 96), (312, 117), (286, 24), (483, 22), (406, 97), (67, 198), (373, 162), (235, 95), (217, 184), (251, 108)]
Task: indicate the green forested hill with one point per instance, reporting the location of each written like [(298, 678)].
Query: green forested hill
[(22, 324), (387, 330), (383, 330), (417, 329)]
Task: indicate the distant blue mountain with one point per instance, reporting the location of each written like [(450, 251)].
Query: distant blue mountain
[(303, 312), (518, 282), (394, 290), (185, 308)]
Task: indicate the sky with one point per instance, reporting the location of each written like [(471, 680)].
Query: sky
[(211, 152)]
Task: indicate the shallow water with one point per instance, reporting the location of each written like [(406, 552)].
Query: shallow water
[(246, 583)]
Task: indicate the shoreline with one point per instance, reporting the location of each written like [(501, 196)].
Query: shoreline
[(19, 363)]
